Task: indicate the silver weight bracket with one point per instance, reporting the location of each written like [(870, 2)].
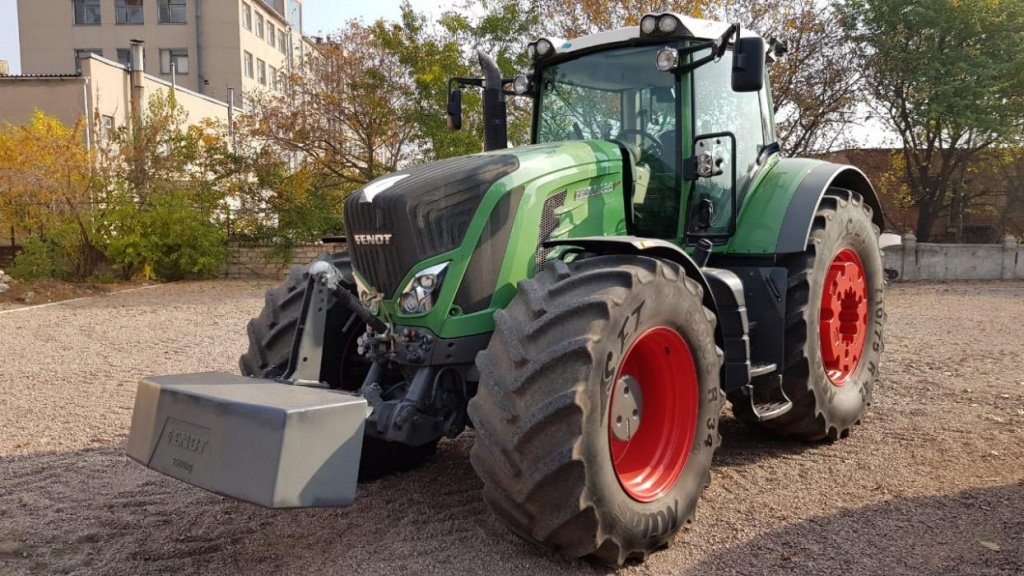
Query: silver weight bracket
[(306, 358)]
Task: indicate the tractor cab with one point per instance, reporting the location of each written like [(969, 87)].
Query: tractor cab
[(687, 101)]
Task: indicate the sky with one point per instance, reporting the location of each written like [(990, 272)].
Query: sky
[(322, 16)]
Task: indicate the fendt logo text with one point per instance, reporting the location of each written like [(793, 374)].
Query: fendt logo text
[(376, 239)]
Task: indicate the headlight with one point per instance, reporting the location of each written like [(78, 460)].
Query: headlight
[(531, 51), (420, 293)]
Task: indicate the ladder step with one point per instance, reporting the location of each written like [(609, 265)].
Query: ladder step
[(768, 399), (762, 370), (770, 410)]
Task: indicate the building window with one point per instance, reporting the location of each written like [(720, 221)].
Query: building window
[(271, 34), (87, 12), (282, 42), (172, 11), (129, 12), (248, 65), (124, 57), (176, 56), (246, 16), (81, 53), (261, 68), (106, 126), (259, 25), (273, 77)]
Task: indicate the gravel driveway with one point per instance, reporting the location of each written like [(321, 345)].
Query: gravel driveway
[(932, 483)]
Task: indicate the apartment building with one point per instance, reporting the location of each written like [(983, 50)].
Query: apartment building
[(208, 46)]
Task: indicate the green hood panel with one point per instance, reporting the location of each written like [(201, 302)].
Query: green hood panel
[(560, 190)]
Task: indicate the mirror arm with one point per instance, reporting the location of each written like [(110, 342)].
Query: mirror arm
[(722, 43), (478, 82)]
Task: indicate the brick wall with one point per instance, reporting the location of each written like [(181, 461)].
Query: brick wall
[(7, 254), (245, 261)]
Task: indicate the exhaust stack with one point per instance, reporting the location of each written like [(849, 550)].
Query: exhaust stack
[(495, 111)]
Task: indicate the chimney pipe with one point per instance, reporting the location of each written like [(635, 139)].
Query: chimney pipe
[(138, 67)]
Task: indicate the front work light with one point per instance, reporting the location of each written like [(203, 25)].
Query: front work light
[(521, 84), (544, 48), (668, 24), (420, 294), (663, 25), (648, 24), (668, 59)]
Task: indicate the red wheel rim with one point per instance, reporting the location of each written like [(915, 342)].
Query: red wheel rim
[(843, 321), (649, 458)]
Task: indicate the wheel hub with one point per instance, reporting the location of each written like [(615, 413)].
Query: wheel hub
[(627, 408), (656, 385), (843, 317)]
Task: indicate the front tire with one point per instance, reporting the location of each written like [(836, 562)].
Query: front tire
[(565, 460)]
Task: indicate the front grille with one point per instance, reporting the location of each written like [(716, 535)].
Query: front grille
[(548, 222), (426, 212)]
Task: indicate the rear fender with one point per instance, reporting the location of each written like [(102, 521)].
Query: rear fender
[(777, 214), (796, 225)]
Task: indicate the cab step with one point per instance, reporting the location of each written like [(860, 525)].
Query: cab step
[(768, 399)]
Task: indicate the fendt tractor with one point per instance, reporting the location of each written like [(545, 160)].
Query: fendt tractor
[(585, 304)]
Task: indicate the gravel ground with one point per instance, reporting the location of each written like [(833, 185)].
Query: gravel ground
[(932, 483)]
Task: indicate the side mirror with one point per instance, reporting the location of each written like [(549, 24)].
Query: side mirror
[(455, 109), (748, 65)]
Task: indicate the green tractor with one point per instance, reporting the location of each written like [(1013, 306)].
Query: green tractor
[(585, 304)]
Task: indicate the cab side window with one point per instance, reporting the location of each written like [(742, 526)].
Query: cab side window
[(719, 109)]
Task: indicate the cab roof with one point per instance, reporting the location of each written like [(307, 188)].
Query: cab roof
[(697, 28)]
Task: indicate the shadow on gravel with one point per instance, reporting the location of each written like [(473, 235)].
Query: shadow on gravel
[(743, 444), (974, 532), (97, 512)]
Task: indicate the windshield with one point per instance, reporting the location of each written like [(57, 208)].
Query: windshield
[(599, 95), (621, 95)]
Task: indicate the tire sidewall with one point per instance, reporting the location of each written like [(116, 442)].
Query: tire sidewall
[(662, 302), (849, 228)]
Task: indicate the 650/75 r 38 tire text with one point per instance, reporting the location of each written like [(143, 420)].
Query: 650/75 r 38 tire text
[(597, 409)]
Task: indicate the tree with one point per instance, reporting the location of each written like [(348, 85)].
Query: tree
[(50, 185), (347, 110), (165, 203), (435, 53), (948, 77)]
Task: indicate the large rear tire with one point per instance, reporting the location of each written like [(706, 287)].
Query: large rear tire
[(270, 343), (835, 317), (597, 408)]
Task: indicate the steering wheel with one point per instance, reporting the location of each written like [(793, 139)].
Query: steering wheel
[(649, 143)]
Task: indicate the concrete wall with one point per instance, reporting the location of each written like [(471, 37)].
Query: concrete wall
[(256, 261), (915, 261), (61, 97)]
